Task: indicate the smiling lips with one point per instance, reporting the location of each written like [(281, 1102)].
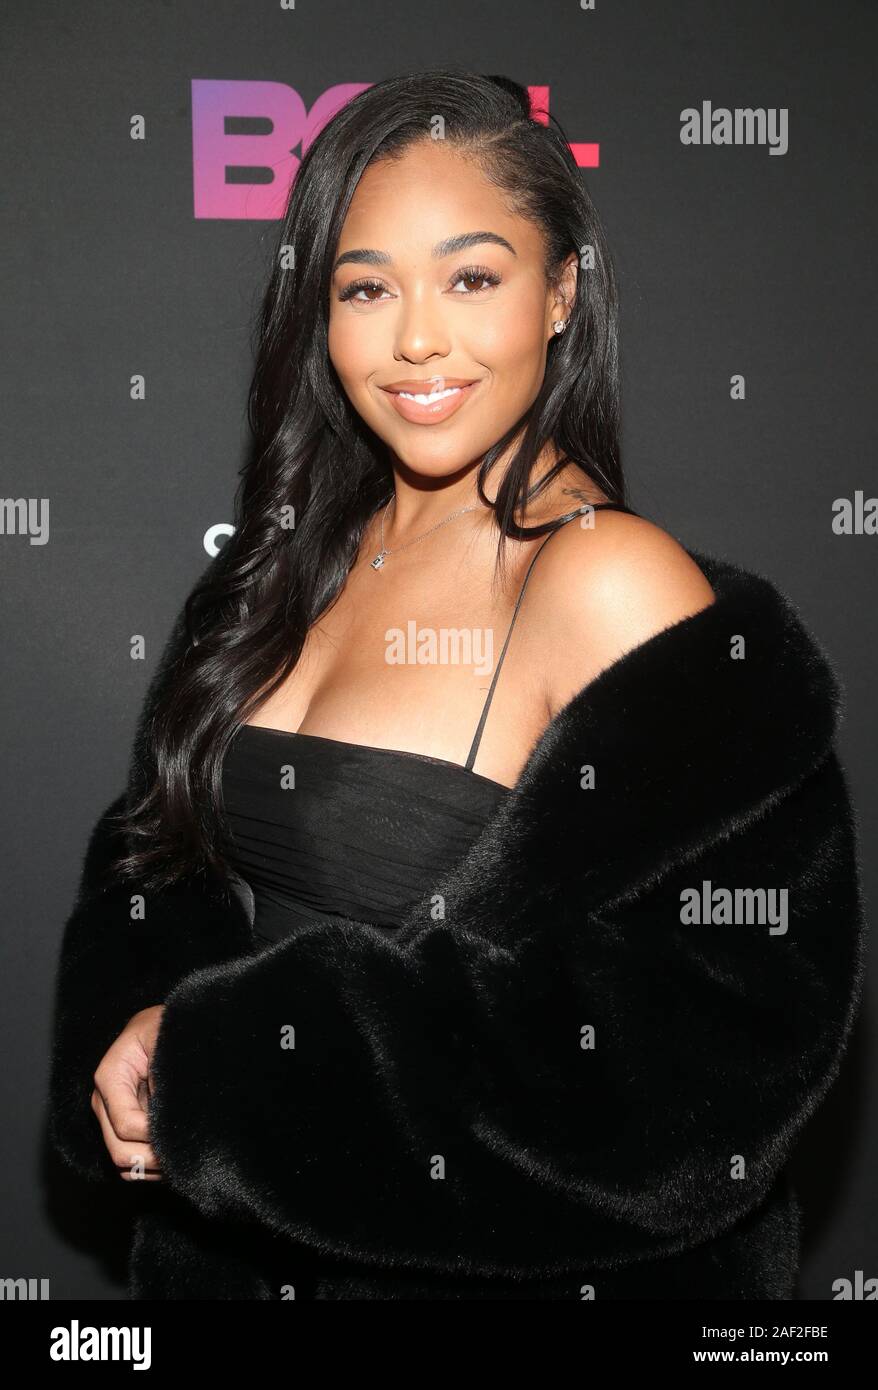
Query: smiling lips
[(426, 402)]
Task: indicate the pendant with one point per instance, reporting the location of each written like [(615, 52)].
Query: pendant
[(379, 560)]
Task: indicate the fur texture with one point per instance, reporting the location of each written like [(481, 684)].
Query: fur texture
[(439, 1130)]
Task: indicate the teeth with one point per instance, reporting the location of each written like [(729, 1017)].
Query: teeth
[(428, 400)]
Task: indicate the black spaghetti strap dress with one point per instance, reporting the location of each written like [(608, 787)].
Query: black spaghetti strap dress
[(367, 831)]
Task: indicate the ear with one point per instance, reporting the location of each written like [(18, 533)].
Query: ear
[(562, 293)]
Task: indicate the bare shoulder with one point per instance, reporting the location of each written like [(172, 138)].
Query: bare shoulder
[(598, 591)]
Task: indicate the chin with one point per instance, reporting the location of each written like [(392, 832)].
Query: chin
[(439, 461)]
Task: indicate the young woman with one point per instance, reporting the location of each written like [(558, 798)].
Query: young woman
[(433, 561)]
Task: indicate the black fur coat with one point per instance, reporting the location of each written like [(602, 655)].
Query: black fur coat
[(585, 1079)]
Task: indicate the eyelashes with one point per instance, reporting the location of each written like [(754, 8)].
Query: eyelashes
[(469, 272)]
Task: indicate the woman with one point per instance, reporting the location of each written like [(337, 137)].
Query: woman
[(407, 1002)]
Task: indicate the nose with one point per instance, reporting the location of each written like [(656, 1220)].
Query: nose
[(421, 330)]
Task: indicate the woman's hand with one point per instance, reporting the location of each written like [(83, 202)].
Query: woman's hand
[(123, 1085)]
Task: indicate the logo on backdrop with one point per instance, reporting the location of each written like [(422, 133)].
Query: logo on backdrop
[(248, 139)]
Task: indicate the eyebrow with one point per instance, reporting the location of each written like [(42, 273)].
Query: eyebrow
[(450, 247)]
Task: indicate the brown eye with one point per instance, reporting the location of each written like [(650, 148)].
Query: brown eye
[(475, 272), (361, 286)]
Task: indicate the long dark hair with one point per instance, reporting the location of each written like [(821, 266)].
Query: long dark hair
[(247, 619)]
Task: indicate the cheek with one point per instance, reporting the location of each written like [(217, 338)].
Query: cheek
[(351, 352), (511, 341), (510, 323)]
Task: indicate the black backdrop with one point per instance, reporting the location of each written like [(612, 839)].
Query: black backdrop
[(732, 260)]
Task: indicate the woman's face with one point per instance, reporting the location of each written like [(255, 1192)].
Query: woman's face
[(410, 313)]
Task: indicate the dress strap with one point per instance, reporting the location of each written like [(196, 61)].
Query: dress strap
[(594, 506)]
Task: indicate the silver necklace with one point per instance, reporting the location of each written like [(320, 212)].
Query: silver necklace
[(383, 553)]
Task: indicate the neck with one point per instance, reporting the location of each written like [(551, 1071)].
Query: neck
[(420, 502), (415, 509)]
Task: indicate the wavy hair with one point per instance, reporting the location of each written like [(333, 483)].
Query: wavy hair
[(247, 619)]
